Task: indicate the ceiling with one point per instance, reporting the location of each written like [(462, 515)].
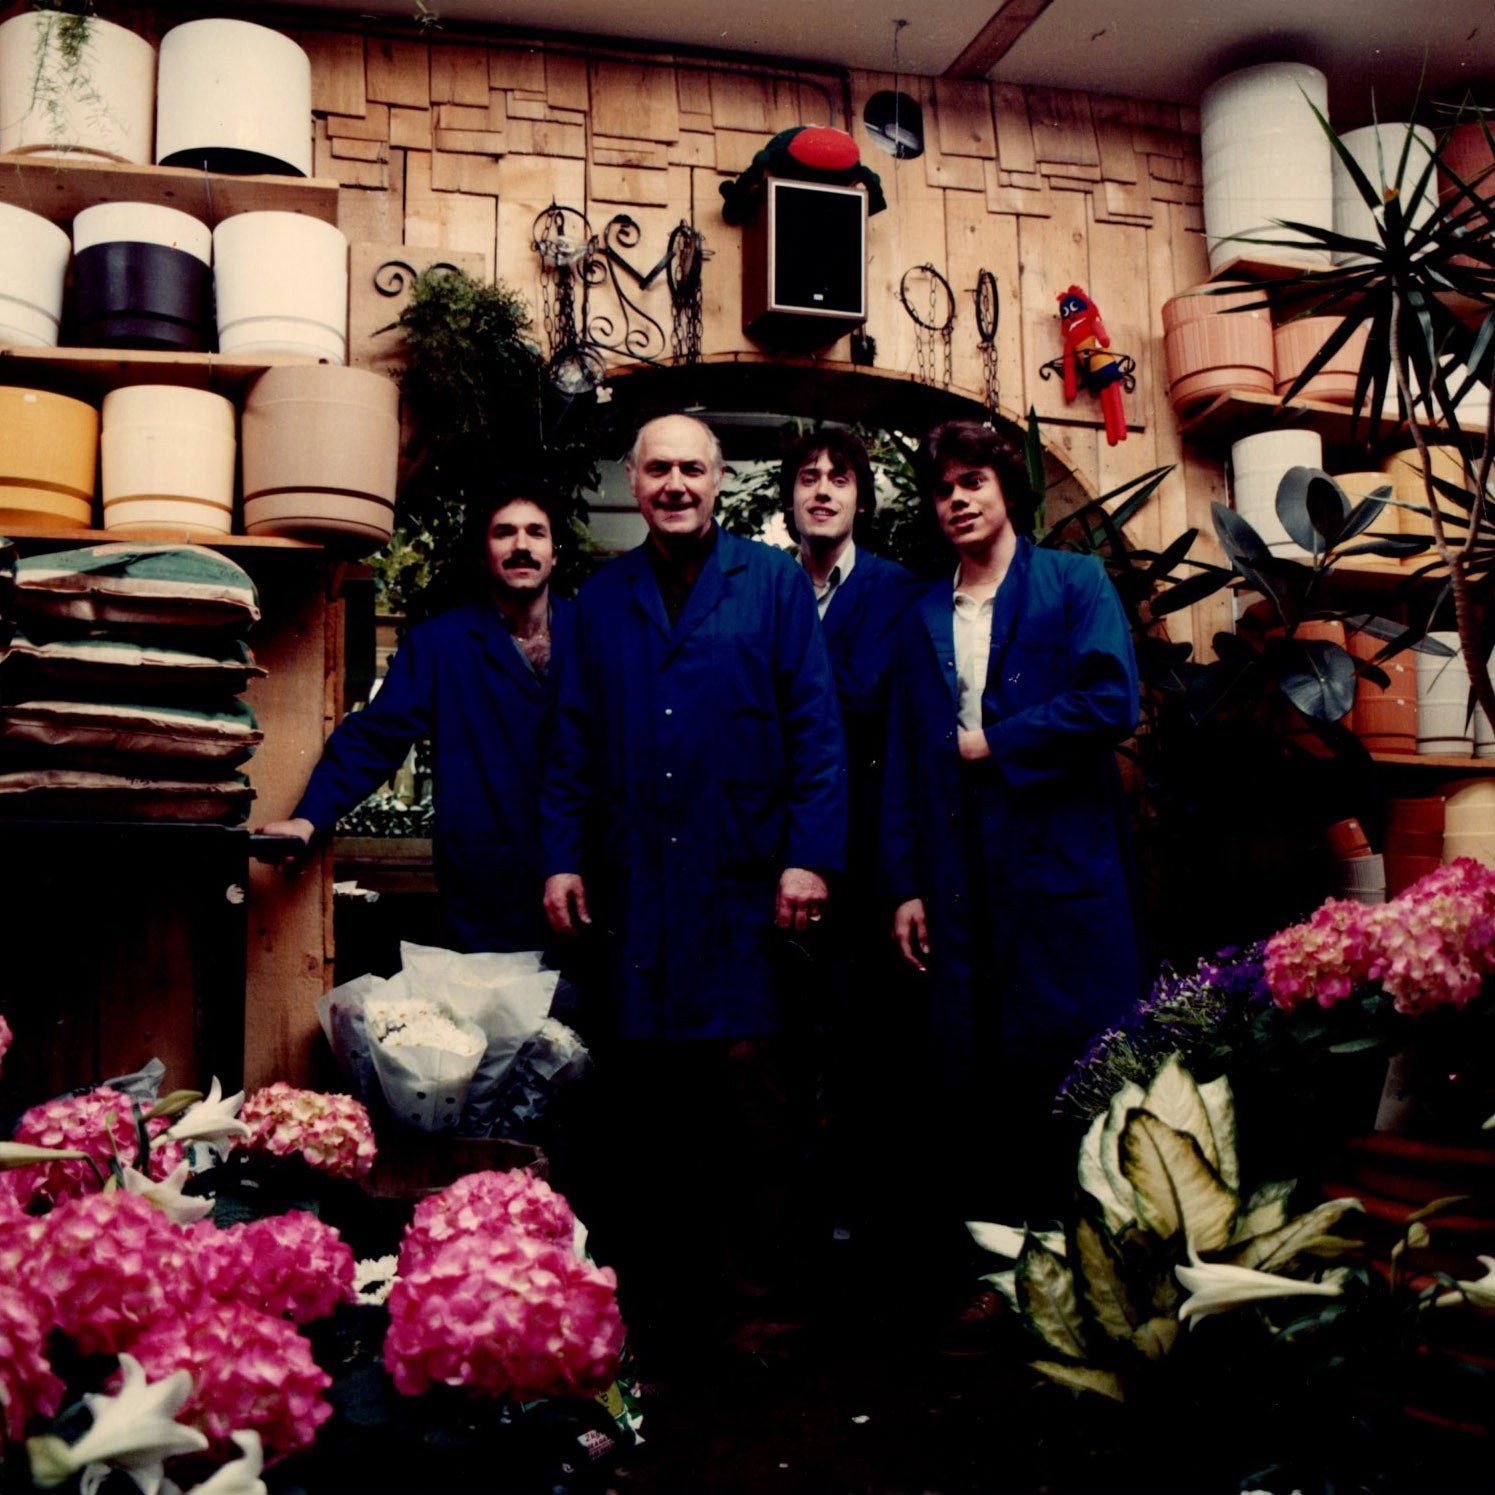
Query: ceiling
[(1153, 49)]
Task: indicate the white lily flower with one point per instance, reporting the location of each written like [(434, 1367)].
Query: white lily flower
[(1216, 1288), (1478, 1294), (166, 1194), (240, 1477), (134, 1430), (214, 1119)]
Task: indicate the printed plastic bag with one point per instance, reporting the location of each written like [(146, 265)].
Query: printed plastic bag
[(424, 1054)]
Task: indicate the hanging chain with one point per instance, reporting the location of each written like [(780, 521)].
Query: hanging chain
[(685, 253), (988, 309), (934, 359)]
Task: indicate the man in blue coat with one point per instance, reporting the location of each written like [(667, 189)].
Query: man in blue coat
[(1004, 840), (694, 806), (477, 681), (829, 496)]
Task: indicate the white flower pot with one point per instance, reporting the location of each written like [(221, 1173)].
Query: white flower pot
[(1257, 465), (1377, 150), (282, 282), (33, 266), (100, 104), (1265, 157), (321, 455), (142, 223), (1443, 722), (168, 460), (233, 97)]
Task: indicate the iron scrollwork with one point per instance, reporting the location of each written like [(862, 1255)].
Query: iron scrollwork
[(576, 262)]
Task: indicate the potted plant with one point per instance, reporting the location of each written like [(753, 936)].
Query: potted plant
[(75, 84)]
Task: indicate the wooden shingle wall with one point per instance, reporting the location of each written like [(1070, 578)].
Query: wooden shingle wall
[(454, 145)]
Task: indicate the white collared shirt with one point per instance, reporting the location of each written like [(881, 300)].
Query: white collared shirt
[(972, 654), (824, 591)]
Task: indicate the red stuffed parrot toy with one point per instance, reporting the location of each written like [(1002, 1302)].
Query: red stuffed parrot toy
[(1086, 362)]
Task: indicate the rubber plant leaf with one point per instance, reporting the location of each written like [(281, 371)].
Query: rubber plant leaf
[(1190, 590), (1178, 1193), (1317, 676), (1312, 507), (1364, 514), (1046, 1295)]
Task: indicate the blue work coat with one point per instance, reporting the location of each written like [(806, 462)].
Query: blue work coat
[(1049, 918), (861, 622), (460, 679), (692, 764)]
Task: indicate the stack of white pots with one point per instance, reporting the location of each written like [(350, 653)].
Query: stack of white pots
[(1258, 464), (1444, 725), (1265, 158), (1377, 150)]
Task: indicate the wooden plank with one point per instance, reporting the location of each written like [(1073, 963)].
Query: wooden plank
[(1071, 175), (960, 173), (446, 220), (630, 185), (741, 101), (360, 150), (1155, 128), (1053, 253), (693, 91), (474, 142), (464, 172), (379, 216), (337, 82), (626, 99), (786, 107), (549, 137), (721, 284), (521, 66), (965, 119), (379, 281), (607, 151), (978, 241), (466, 117), (1001, 198), (371, 126), (459, 74), (735, 150), (399, 72), (566, 84), (1119, 200), (1113, 138), (525, 108), (1063, 131), (528, 185), (701, 123), (996, 38), (693, 148), (410, 129), (1014, 131), (346, 173)]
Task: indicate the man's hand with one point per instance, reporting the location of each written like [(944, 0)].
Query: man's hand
[(973, 744), (566, 903), (911, 932), (292, 859), (801, 900), (302, 830)]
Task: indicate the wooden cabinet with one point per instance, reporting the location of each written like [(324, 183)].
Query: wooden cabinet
[(146, 990)]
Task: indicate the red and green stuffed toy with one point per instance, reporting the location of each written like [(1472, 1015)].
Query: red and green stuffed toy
[(807, 153)]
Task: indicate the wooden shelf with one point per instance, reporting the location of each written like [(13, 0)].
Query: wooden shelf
[(1245, 412), (160, 534), (90, 373), (1435, 760), (59, 189)]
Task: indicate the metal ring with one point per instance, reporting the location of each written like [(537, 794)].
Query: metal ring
[(988, 304), (939, 280)]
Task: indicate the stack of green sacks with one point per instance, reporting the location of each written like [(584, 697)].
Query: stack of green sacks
[(121, 668)]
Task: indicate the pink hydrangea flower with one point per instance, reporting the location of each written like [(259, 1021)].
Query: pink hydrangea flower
[(27, 1385), (332, 1132), (5, 1036), (250, 1373), (479, 1203), (504, 1312), (100, 1123), (108, 1265), (1435, 942), (290, 1266), (1321, 960)]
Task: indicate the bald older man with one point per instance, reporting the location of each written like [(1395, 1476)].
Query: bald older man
[(694, 804)]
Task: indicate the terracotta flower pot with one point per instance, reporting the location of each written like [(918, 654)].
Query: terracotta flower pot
[(1294, 343), (1210, 348), (49, 447), (1469, 829), (321, 455), (1384, 718), (1467, 154)]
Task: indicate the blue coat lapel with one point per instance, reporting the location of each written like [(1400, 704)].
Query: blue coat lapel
[(938, 613)]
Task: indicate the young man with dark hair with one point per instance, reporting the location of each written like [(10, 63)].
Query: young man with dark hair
[(477, 681), (1004, 840)]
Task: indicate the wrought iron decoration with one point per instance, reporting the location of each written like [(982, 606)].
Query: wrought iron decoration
[(934, 318), (576, 262), (988, 312)]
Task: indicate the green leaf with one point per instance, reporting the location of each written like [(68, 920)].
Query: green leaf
[(1219, 1106), (1046, 1295), (1101, 1283), (1156, 1338), (1122, 1103), (1316, 675), (1082, 1378), (1312, 507), (1190, 590), (1096, 1181), (1266, 1211), (1178, 1192), (1174, 1099), (1308, 1234), (1005, 1283)]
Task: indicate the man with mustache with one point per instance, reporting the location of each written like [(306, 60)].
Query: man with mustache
[(693, 808), (477, 681)]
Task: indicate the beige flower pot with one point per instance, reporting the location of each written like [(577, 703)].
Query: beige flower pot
[(168, 461), (49, 448), (33, 268), (102, 105), (321, 456)]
